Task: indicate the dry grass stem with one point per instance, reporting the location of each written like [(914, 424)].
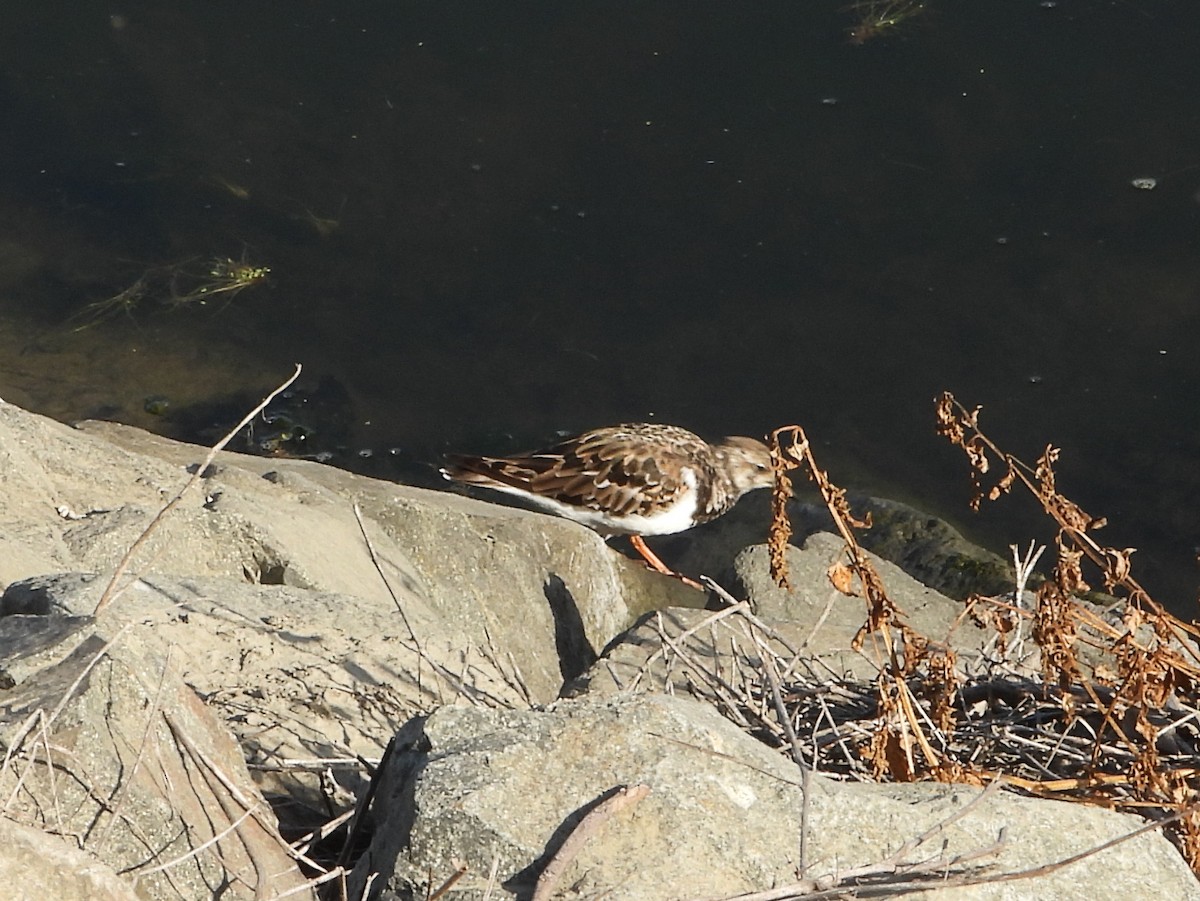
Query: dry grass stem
[(362, 527)]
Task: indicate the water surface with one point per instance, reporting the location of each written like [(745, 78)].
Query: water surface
[(487, 223)]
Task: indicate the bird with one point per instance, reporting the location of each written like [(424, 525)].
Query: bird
[(635, 479)]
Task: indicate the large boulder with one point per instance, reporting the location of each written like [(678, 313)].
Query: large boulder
[(812, 622), (36, 865), (309, 681), (109, 750), (483, 789), (480, 574)]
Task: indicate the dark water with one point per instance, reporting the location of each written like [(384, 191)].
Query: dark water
[(489, 222)]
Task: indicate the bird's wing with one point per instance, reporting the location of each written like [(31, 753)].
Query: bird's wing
[(598, 470)]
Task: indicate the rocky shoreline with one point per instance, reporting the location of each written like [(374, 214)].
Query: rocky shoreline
[(291, 631)]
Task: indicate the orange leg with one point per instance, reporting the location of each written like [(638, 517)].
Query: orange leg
[(639, 545)]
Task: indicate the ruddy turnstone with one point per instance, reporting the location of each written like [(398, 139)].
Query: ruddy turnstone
[(637, 479)]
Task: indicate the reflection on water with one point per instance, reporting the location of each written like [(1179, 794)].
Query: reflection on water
[(483, 226)]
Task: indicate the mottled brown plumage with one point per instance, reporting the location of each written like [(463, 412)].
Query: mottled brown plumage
[(636, 479)]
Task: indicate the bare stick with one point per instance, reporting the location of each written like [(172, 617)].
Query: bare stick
[(844, 881), (110, 590), (45, 733), (626, 796), (1075, 858), (1022, 569), (362, 527), (491, 883), (304, 844), (311, 884), (933, 874), (448, 884), (833, 596), (806, 771)]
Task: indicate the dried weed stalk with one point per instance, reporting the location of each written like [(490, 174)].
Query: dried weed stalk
[(827, 721), (1128, 690), (913, 708), (1113, 720)]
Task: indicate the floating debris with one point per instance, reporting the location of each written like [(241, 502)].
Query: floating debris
[(225, 278), (879, 17), (124, 302), (1145, 184), (174, 285)]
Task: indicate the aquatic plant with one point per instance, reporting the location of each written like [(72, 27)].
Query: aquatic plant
[(875, 18), (122, 302), (224, 277), (174, 285)]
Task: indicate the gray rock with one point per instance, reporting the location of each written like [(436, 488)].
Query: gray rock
[(545, 590), (723, 814), (111, 751), (835, 617), (477, 786), (927, 548), (35, 866), (812, 620), (300, 676), (931, 550)]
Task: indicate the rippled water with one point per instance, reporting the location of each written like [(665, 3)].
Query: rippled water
[(486, 223)]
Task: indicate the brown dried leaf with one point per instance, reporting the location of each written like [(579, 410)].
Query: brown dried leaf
[(1055, 630), (781, 529), (1068, 573), (888, 755), (1044, 473), (1004, 486), (899, 762), (977, 454), (1117, 566), (1069, 514), (971, 420), (940, 687), (842, 577), (946, 418)]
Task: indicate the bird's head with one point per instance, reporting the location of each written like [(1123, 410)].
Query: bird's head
[(747, 461)]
